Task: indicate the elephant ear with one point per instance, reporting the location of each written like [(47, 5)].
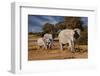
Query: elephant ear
[(76, 33)]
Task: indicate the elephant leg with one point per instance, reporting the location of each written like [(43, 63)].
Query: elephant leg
[(61, 47)]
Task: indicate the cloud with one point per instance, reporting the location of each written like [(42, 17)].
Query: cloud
[(34, 28), (53, 19), (84, 20), (36, 22), (33, 20)]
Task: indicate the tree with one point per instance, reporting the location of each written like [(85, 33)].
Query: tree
[(73, 22), (48, 28), (70, 23), (60, 26)]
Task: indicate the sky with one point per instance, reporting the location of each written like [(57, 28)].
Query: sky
[(35, 22)]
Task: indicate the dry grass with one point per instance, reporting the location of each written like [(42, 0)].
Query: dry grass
[(55, 53)]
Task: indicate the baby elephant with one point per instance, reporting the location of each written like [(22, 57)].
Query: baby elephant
[(41, 43)]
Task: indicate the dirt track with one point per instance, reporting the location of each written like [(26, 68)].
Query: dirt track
[(40, 54), (57, 54)]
